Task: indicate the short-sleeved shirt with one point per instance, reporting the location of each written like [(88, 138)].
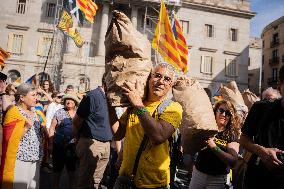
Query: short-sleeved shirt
[(153, 169), (93, 109), (265, 125), (30, 147), (64, 126), (208, 162)]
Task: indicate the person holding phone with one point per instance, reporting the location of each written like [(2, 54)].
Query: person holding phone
[(263, 136)]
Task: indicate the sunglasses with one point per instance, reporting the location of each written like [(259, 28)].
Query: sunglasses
[(227, 112), (59, 97), (167, 79)]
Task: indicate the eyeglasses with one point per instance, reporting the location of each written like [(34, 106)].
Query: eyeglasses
[(167, 79), (227, 112), (59, 97)]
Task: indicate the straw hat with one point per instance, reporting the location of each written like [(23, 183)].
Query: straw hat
[(72, 97)]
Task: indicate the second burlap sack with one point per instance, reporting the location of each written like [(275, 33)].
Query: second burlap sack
[(198, 122), (231, 93), (128, 58), (249, 98)]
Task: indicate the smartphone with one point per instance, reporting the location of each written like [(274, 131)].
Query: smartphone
[(280, 156)]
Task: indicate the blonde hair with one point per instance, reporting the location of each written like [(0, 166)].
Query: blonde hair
[(233, 127)]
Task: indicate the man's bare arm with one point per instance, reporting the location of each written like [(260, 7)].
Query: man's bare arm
[(157, 131)]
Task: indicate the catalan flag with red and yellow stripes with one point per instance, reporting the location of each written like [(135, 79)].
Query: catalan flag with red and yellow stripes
[(3, 56), (165, 42), (89, 8), (181, 42)]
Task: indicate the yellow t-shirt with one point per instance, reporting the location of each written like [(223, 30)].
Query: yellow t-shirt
[(154, 164)]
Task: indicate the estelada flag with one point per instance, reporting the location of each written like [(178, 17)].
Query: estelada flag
[(164, 40), (66, 26), (3, 56), (89, 8)]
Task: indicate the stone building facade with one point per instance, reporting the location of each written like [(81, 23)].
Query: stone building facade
[(254, 65), (217, 32), (273, 52)]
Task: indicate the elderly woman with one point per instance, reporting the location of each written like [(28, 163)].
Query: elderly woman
[(62, 145), (212, 163), (22, 142)]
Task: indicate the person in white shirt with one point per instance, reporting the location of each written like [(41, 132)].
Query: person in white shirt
[(53, 107)]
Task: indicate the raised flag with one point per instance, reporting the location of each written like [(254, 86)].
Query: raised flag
[(181, 43), (3, 56), (66, 26), (89, 8), (32, 80), (164, 40)]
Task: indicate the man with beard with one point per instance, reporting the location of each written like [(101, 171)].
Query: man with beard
[(146, 148)]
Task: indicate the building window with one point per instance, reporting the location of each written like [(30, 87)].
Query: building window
[(275, 54), (21, 6), (149, 22), (248, 61), (209, 30), (275, 74), (17, 44), (50, 10), (184, 26), (263, 44), (84, 84), (44, 45), (13, 75), (206, 64), (233, 34), (231, 68), (275, 38), (262, 60)]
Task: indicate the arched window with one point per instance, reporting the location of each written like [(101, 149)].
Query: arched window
[(13, 75), (84, 84)]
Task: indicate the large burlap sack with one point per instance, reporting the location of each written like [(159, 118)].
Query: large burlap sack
[(123, 39), (128, 58), (249, 98), (198, 122), (232, 94)]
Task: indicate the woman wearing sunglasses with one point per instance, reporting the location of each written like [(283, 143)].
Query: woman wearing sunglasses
[(213, 162)]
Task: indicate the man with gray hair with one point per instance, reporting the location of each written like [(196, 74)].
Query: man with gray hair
[(147, 127), (271, 94)]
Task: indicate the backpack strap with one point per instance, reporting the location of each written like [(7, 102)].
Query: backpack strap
[(162, 107)]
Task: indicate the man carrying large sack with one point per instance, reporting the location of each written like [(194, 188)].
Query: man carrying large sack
[(147, 130)]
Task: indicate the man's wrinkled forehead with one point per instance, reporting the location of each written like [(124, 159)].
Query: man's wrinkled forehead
[(163, 70)]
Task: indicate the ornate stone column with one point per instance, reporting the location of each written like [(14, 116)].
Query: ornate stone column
[(103, 29)]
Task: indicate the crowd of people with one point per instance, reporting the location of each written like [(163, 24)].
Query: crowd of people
[(134, 147)]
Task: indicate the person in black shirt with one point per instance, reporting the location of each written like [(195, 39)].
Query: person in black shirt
[(213, 162), (263, 136)]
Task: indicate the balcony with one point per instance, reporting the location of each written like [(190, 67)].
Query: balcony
[(274, 61), (272, 81), (274, 43)]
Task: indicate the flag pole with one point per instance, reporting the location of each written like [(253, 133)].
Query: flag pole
[(45, 64), (159, 30)]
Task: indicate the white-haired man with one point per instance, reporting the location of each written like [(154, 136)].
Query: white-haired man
[(142, 123)]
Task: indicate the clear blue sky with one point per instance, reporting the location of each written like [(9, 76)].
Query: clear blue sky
[(267, 11)]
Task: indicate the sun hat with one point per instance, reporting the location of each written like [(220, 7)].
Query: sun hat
[(72, 97)]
